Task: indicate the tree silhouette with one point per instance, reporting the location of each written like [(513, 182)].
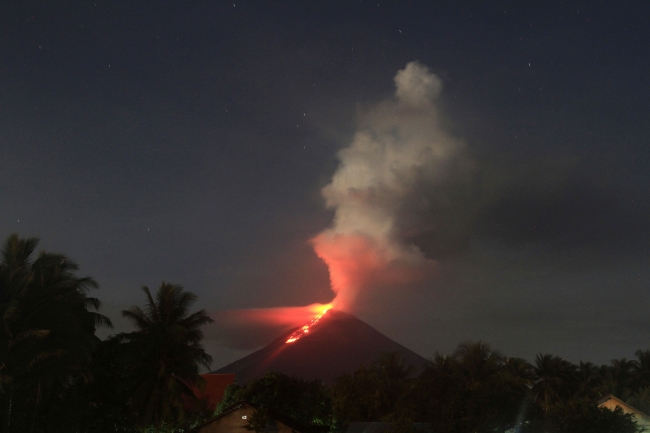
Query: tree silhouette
[(166, 354), (555, 380), (588, 381), (477, 361), (618, 378), (642, 368), (520, 370), (583, 416), (261, 422), (372, 393), (307, 402), (47, 330)]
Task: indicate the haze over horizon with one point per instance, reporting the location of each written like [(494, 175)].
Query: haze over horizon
[(505, 187)]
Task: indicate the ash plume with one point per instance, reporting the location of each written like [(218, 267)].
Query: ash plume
[(397, 156), (391, 189)]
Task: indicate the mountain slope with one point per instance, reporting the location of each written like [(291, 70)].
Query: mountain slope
[(339, 343)]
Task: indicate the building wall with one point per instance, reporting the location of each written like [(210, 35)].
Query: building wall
[(234, 422)]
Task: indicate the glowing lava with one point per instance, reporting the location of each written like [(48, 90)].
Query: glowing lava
[(301, 332)]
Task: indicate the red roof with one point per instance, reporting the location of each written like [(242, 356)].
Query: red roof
[(215, 387)]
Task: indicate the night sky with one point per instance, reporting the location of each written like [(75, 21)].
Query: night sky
[(189, 142)]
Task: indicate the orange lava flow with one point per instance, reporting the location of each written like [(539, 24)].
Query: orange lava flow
[(301, 332)]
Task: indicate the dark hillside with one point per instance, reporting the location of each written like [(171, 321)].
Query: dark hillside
[(339, 343)]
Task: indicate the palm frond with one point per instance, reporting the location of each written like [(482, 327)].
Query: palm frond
[(57, 353), (151, 308), (137, 316), (101, 320), (32, 333), (17, 251)]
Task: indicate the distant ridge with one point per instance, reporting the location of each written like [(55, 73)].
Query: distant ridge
[(338, 344)]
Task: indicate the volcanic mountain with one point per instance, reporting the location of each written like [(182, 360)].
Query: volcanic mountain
[(335, 344)]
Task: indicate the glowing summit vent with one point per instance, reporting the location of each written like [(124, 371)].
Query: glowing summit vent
[(305, 329)]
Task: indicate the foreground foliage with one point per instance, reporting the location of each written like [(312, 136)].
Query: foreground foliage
[(165, 354), (47, 337), (476, 389), (307, 402), (580, 416), (57, 376)]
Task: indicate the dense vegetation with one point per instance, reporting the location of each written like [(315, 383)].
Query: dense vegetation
[(475, 389), (307, 402), (57, 376)]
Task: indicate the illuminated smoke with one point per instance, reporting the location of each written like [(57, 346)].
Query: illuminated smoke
[(388, 180), (399, 148)]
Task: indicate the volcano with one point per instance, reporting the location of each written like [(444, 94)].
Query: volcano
[(335, 344)]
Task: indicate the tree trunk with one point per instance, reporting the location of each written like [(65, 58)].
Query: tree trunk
[(38, 401), (11, 397)]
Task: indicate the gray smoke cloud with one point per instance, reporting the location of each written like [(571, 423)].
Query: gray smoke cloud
[(397, 159)]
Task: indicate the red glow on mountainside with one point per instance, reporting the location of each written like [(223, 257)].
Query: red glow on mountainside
[(304, 330)]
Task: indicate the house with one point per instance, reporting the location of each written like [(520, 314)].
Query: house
[(611, 403), (234, 419)]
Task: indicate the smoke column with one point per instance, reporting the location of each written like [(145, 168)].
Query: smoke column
[(388, 180), (398, 150)]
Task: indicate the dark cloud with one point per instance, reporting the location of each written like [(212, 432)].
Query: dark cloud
[(547, 202)]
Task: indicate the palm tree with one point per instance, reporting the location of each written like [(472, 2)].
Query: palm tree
[(555, 380), (589, 381), (477, 361), (472, 390), (391, 375), (520, 370), (47, 326), (167, 354), (618, 378), (642, 368), (14, 278)]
